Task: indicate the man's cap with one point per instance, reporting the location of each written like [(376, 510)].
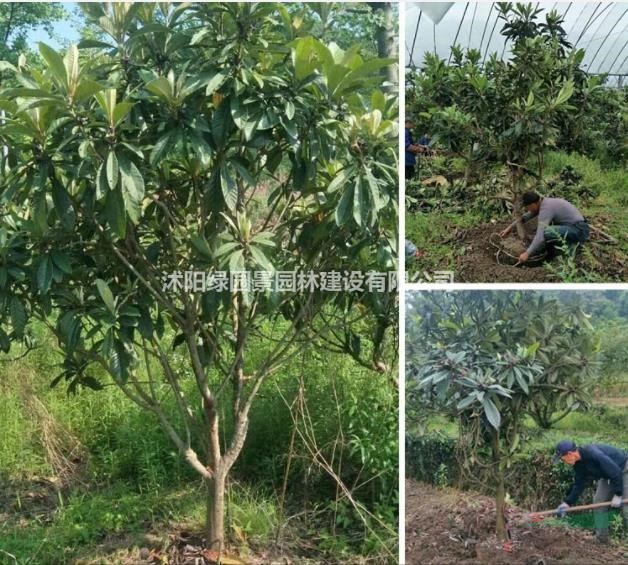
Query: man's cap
[(563, 447), (530, 198)]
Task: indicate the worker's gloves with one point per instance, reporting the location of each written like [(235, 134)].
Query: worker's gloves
[(616, 502), (562, 510)]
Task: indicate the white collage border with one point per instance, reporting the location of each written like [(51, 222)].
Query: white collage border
[(405, 287)]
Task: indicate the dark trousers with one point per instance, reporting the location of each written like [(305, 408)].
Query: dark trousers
[(409, 172), (604, 493), (573, 235)]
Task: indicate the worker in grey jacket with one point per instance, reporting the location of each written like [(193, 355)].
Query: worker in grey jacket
[(559, 221)]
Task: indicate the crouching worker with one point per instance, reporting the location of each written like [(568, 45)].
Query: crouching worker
[(596, 462), (559, 222)]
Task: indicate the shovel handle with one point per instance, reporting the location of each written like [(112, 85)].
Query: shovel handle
[(577, 508)]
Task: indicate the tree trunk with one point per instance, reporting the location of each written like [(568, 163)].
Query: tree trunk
[(500, 493), (467, 168), (541, 160), (216, 511), (386, 41), (515, 174)]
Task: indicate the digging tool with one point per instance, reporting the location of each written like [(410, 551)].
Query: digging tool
[(537, 516)]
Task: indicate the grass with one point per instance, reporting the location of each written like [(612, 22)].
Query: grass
[(432, 237), (431, 231), (130, 483)]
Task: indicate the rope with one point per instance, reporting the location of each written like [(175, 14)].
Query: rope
[(602, 237), (500, 249)]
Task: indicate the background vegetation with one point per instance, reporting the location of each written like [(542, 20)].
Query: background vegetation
[(90, 475), (438, 447), (175, 127), (536, 121)]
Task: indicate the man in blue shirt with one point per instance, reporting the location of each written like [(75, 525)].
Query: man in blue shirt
[(596, 462), (411, 150)]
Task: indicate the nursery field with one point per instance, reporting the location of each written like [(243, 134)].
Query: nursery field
[(487, 129), (479, 447), (456, 227), (90, 478), (178, 381)]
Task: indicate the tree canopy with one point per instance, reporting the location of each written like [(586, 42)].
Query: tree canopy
[(219, 139)]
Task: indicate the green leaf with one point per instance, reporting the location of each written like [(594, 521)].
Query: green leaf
[(5, 342), (290, 109), (106, 295), (339, 181), (94, 44), (120, 112), (200, 244), (565, 93), (162, 148), (71, 62), (115, 213), (132, 188), (360, 203), (40, 212), (107, 101), (343, 210), (215, 83), (521, 380), (229, 187), (55, 63), (44, 275), (62, 204), (86, 89), (492, 413), (112, 170), (236, 261), (466, 402), (102, 186), (62, 262), (161, 87), (18, 316), (260, 258), (221, 123), (226, 247), (70, 329)]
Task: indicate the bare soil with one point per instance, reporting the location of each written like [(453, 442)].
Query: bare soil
[(479, 262), (445, 526)]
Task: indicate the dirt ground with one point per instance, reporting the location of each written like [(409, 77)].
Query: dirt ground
[(445, 526), (479, 263)]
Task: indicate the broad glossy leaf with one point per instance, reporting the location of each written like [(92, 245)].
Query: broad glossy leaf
[(55, 63), (62, 262), (106, 295), (44, 274), (215, 83), (63, 204), (344, 208), (112, 170), (229, 187), (121, 111), (161, 87), (115, 213), (492, 413), (18, 316)]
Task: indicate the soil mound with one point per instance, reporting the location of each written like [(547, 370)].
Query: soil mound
[(479, 263), (446, 526)]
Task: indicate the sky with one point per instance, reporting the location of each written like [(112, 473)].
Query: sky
[(65, 31), (610, 22)]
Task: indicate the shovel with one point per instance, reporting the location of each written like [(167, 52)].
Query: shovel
[(538, 516)]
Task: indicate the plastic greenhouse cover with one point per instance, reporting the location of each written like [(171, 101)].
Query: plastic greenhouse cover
[(601, 28), (435, 11)]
